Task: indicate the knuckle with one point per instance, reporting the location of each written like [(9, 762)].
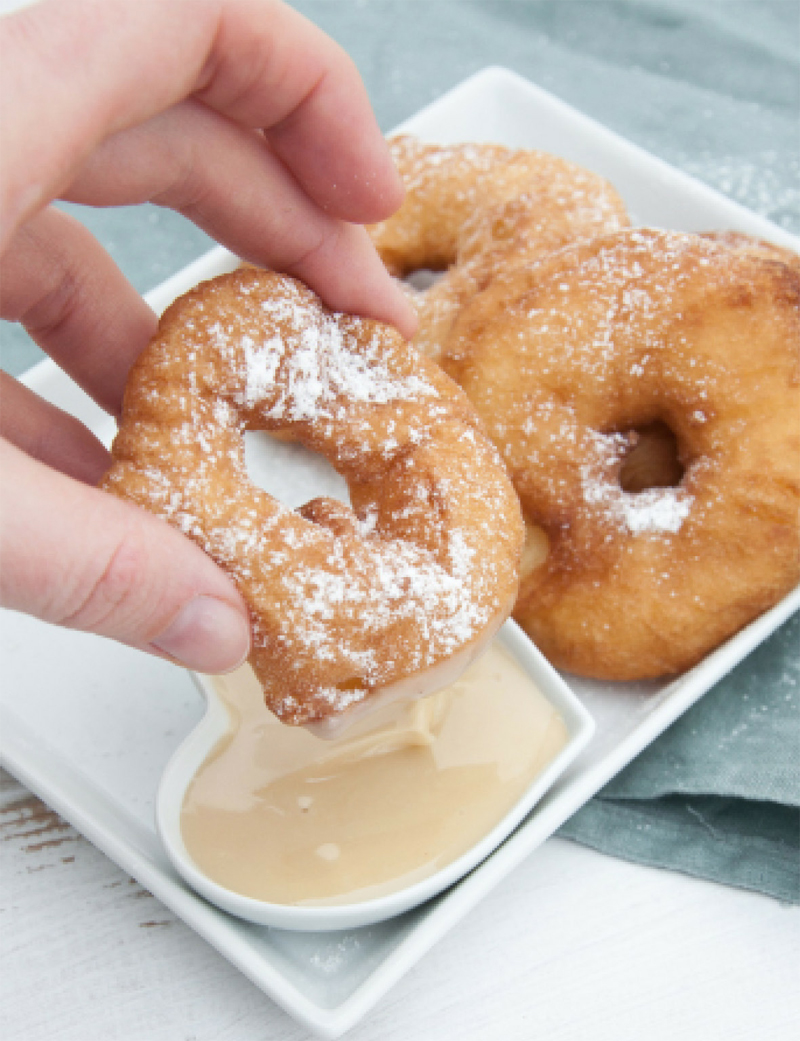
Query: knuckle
[(54, 309), (325, 243), (60, 285), (110, 602), (186, 188)]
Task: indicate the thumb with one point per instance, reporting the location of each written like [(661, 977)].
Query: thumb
[(75, 556)]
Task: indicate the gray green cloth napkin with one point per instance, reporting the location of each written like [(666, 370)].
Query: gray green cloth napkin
[(718, 794), (712, 86)]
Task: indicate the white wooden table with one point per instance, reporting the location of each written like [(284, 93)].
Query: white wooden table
[(572, 945)]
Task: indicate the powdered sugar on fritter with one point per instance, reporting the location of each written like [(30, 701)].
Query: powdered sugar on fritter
[(308, 382), (342, 602), (653, 511)]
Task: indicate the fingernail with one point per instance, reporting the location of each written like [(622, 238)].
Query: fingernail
[(208, 635)]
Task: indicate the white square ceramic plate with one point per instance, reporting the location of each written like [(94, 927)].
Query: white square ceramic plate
[(89, 725)]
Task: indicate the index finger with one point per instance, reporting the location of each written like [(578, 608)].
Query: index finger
[(104, 65)]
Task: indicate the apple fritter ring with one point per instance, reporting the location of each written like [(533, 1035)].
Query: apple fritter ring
[(644, 391), (394, 595), (472, 208)]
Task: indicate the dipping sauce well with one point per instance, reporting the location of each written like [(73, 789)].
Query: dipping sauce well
[(280, 815)]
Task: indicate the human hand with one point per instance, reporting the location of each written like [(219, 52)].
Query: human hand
[(246, 118)]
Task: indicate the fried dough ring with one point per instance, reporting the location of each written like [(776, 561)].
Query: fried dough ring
[(471, 209), (644, 330), (394, 595)]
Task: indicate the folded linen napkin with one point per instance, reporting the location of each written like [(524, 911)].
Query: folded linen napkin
[(718, 794)]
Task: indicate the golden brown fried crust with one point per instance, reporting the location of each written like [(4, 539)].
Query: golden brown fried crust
[(471, 210), (343, 601), (639, 334), (737, 240)]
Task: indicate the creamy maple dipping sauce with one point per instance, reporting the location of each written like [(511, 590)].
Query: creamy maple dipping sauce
[(280, 815)]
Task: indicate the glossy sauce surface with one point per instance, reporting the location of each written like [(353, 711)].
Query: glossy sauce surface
[(280, 815)]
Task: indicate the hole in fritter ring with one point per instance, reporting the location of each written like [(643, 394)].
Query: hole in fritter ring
[(423, 278), (289, 471), (653, 461)]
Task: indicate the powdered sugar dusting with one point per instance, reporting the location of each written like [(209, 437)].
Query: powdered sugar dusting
[(621, 348), (655, 511), (308, 382), (261, 365), (474, 177), (343, 602), (475, 209)]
